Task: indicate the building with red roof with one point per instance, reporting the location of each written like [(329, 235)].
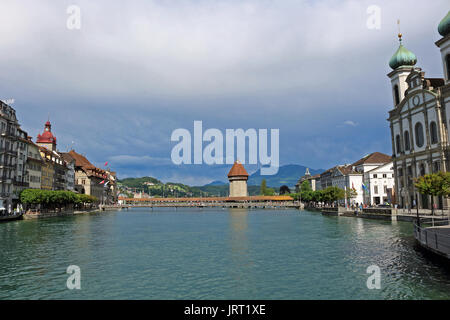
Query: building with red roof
[(238, 177), (47, 139)]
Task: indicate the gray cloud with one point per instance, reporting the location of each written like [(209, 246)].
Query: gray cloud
[(138, 70)]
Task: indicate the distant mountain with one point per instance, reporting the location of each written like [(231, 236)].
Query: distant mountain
[(216, 183), (287, 175)]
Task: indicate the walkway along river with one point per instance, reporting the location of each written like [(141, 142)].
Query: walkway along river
[(212, 253)]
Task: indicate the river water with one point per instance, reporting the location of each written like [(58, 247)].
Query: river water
[(198, 253)]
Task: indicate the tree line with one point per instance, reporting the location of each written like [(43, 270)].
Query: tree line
[(50, 199)]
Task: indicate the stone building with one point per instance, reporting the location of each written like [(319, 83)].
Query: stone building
[(419, 120), (314, 181), (111, 188), (70, 171), (34, 165), (47, 148), (238, 177), (378, 177), (89, 178), (371, 177), (8, 154), (20, 181)]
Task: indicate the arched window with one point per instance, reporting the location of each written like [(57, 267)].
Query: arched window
[(396, 95), (433, 132), (418, 130), (407, 144), (422, 169), (436, 166), (447, 63), (398, 144)]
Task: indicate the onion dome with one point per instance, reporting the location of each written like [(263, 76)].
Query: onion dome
[(402, 57), (444, 25)]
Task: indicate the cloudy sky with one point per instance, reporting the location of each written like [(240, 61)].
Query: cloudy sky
[(135, 71)]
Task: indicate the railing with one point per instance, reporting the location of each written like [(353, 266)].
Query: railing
[(434, 234)]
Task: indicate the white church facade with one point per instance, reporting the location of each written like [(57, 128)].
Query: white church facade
[(419, 121)]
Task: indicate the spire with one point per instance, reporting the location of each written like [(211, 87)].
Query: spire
[(402, 57), (307, 172)]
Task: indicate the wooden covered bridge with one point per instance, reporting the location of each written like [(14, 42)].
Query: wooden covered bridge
[(224, 202)]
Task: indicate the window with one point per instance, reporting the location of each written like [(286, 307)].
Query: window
[(419, 134), (436, 166), (433, 132), (375, 189), (398, 144), (385, 189), (384, 175), (396, 95), (447, 62), (375, 176), (422, 169), (407, 144)]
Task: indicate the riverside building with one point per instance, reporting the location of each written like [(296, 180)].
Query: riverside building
[(371, 178), (419, 120), (8, 154), (89, 178), (34, 165)]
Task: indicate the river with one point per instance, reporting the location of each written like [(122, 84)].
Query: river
[(196, 253)]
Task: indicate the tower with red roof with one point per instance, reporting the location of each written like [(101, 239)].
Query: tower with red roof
[(47, 139), (238, 177)]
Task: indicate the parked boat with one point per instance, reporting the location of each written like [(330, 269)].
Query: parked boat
[(4, 216)]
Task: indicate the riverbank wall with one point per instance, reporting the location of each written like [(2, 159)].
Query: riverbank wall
[(40, 215), (387, 214)]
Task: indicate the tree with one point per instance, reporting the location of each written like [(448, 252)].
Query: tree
[(351, 193), (263, 187), (305, 186), (332, 194), (317, 196), (284, 189), (434, 185)]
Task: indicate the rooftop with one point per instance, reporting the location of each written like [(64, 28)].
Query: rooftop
[(237, 170)]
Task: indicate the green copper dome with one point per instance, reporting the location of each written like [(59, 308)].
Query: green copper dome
[(402, 57), (444, 25)]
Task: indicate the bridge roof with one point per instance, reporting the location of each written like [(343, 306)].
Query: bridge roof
[(210, 199)]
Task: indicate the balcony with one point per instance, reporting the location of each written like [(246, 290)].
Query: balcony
[(20, 183), (8, 151), (8, 134), (5, 179)]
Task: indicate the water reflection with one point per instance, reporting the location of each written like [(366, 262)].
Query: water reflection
[(239, 246)]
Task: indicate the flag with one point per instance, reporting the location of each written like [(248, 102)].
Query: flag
[(106, 163), (102, 182), (364, 187), (106, 183)]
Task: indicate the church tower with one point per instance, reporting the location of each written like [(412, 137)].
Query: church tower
[(238, 177), (47, 139), (444, 45), (402, 63)]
